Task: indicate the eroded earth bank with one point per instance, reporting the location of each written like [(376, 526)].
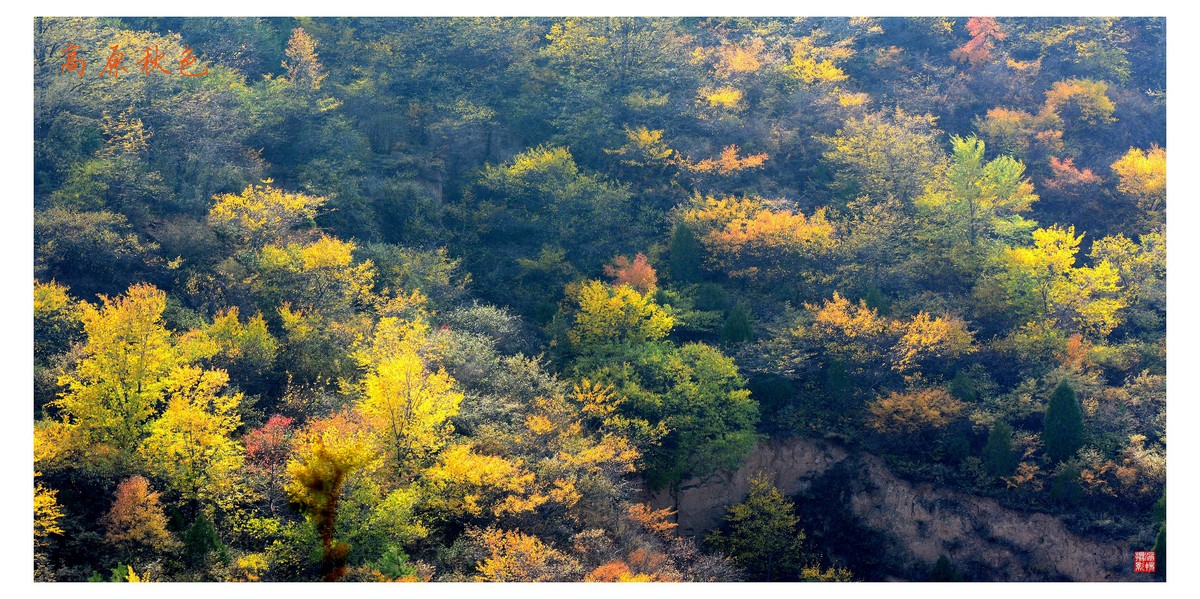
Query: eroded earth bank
[(887, 528)]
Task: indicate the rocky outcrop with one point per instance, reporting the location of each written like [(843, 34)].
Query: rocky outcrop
[(910, 525)]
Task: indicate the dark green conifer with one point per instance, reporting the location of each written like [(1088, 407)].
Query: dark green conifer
[(998, 455), (686, 254), (737, 327), (944, 572), (1062, 430)]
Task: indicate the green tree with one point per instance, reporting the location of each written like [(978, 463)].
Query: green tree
[(686, 255), (882, 155), (527, 218), (762, 534), (1064, 484), (119, 176), (943, 571), (1160, 551), (1062, 428), (998, 455), (696, 394), (605, 70), (1160, 540), (91, 252), (977, 202), (737, 327), (200, 540)]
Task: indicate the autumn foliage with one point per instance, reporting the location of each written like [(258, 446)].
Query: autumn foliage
[(984, 32), (491, 299), (325, 454), (636, 273), (136, 519), (907, 413)]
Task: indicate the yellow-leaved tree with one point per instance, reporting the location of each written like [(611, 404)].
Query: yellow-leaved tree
[(46, 513), (760, 240), (914, 412), (886, 154), (46, 516), (323, 298), (1046, 286), (858, 334), (56, 319), (615, 316), (116, 388), (318, 276), (406, 404), (189, 444), (1143, 177), (302, 66), (324, 454), (1080, 102), (135, 524), (262, 214), (468, 484), (814, 64), (512, 556), (728, 163)]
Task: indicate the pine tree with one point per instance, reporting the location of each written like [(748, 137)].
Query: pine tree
[(944, 572), (1063, 425), (199, 540), (963, 388), (737, 326), (686, 254), (998, 456), (837, 382), (1064, 485)]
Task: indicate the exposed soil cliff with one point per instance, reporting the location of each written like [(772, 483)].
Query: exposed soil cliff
[(900, 528)]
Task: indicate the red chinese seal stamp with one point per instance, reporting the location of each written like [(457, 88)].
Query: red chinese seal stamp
[(1143, 561)]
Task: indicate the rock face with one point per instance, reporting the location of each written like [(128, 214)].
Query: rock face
[(908, 525)]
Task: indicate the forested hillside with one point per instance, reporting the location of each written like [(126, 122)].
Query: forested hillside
[(422, 299)]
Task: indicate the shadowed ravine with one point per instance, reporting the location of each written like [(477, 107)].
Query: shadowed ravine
[(908, 525)]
